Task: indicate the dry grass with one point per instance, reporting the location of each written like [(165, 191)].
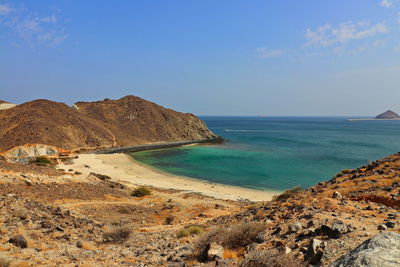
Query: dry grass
[(117, 235), (236, 236), (270, 258)]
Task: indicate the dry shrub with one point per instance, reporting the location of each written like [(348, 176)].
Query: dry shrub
[(117, 235), (288, 193), (190, 231), (236, 236), (270, 258), (141, 191)]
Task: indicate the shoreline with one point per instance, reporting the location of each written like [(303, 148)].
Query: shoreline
[(154, 146), (125, 168)]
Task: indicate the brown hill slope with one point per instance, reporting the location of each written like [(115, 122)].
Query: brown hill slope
[(133, 120), (108, 123), (50, 123)]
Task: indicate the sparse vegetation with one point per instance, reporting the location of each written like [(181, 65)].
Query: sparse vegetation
[(267, 258), (194, 230), (288, 193), (182, 233), (236, 236), (42, 161), (141, 191), (117, 235), (124, 210), (190, 230)]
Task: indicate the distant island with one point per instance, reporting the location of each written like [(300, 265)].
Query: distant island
[(387, 115)]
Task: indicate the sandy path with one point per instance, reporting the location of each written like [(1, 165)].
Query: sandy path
[(125, 168)]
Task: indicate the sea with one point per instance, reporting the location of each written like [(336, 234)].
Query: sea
[(278, 153)]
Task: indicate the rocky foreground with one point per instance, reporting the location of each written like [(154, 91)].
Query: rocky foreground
[(53, 217)]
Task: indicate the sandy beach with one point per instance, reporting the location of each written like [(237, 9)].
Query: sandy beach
[(124, 168)]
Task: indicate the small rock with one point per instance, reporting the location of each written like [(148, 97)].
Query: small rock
[(18, 241), (314, 251), (295, 227), (337, 195), (79, 244), (287, 250), (382, 227), (28, 182), (390, 224)]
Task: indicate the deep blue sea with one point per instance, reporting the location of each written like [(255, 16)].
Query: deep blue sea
[(279, 152)]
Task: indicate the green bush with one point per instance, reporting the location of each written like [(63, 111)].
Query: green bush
[(190, 231), (194, 230), (141, 191), (183, 233)]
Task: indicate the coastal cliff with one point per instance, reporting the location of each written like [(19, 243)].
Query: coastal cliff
[(52, 126)]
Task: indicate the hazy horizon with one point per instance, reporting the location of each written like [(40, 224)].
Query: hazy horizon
[(225, 58)]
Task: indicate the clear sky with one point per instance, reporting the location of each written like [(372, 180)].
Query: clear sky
[(208, 57)]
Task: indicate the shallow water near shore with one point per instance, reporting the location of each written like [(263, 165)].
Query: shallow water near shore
[(278, 153)]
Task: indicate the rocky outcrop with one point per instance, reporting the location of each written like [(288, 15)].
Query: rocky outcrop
[(133, 121), (109, 123), (382, 250), (388, 115)]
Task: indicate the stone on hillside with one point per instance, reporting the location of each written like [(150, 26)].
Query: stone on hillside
[(382, 250), (337, 195), (314, 251), (382, 227), (336, 230), (215, 252), (390, 224), (18, 241), (295, 227)]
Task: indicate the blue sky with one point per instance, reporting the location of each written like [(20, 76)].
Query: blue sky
[(208, 57)]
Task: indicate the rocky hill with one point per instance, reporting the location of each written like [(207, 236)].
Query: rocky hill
[(388, 115), (133, 120), (90, 125), (50, 123)]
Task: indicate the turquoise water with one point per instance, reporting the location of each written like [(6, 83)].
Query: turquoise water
[(279, 152)]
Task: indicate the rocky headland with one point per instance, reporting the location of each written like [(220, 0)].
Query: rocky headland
[(44, 127)]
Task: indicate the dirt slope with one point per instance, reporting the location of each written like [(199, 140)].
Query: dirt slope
[(109, 123)]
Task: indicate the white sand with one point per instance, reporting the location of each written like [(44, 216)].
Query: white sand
[(125, 168)]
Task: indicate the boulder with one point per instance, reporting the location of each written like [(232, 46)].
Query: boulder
[(19, 241), (215, 252), (315, 251), (382, 250), (295, 227), (382, 227), (337, 195), (336, 230)]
